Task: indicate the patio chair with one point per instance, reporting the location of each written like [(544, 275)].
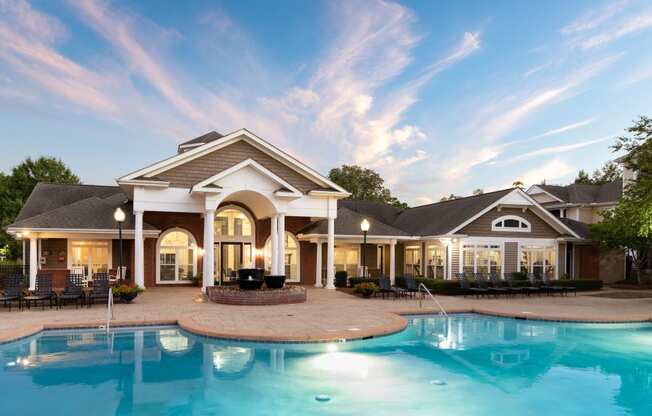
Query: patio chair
[(99, 291), (498, 286), (411, 286), (13, 291), (386, 288), (532, 288), (516, 289), (559, 289), (482, 283), (468, 289), (42, 293), (536, 282), (74, 291)]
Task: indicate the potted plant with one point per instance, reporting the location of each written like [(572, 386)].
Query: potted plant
[(366, 289), (127, 293), (274, 282), (197, 280), (341, 278)]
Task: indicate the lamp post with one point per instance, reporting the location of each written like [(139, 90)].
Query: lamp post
[(364, 226), (119, 217)]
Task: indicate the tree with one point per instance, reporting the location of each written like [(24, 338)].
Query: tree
[(518, 184), (16, 187), (364, 184), (449, 198), (629, 225), (610, 172), (478, 191)]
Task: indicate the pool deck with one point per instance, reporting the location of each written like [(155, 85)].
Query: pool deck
[(327, 315)]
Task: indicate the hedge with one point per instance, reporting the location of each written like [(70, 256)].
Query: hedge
[(452, 287)]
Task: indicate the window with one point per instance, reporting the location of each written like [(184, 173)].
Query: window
[(176, 256), (538, 260), (510, 223), (347, 259), (436, 261), (482, 258), (232, 222), (90, 256), (413, 260), (291, 257)]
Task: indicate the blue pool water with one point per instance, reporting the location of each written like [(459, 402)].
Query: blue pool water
[(461, 365)]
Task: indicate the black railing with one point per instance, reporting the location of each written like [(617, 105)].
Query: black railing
[(13, 270)]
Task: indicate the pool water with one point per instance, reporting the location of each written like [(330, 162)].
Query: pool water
[(460, 365)]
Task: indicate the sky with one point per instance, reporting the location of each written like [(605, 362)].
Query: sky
[(438, 97)]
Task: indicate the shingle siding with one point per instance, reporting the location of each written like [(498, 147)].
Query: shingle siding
[(511, 258), (197, 170)]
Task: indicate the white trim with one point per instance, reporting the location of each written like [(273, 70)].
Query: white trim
[(144, 182), (13, 230), (236, 239), (329, 193), (247, 163), (519, 229), (230, 138), (355, 236), (193, 243)]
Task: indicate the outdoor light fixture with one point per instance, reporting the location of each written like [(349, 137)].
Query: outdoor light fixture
[(119, 217), (364, 226)]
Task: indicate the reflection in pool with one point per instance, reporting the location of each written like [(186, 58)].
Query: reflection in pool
[(461, 365)]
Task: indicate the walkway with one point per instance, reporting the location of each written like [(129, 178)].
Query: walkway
[(327, 315)]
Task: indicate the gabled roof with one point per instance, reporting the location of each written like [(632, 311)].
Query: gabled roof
[(216, 143), (74, 207), (585, 193), (348, 223), (580, 228)]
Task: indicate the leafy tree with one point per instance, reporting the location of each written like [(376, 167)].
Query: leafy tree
[(629, 225), (478, 191), (449, 197), (16, 187), (518, 184), (610, 172), (364, 184)]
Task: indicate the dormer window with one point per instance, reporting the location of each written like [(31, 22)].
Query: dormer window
[(511, 223)]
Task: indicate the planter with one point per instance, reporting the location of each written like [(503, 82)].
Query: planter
[(274, 282), (250, 284), (366, 293), (128, 297), (256, 274)]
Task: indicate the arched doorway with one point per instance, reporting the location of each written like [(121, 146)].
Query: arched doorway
[(292, 257), (176, 256), (234, 241)]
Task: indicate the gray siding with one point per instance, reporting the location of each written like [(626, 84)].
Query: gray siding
[(511, 258), (455, 259), (482, 225), (561, 261)]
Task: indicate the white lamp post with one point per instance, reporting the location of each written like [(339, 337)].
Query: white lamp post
[(119, 217), (364, 226)]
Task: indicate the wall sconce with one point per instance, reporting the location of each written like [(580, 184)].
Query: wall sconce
[(259, 252)]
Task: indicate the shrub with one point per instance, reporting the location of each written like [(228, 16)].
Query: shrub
[(580, 285), (519, 276), (354, 281), (366, 289), (340, 278), (126, 290)]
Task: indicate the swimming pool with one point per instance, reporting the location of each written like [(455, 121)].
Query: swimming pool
[(460, 365)]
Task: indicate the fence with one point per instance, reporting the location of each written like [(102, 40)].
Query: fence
[(13, 270)]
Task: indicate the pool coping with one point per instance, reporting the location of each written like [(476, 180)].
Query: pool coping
[(398, 322)]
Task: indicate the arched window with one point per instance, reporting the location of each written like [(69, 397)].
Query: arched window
[(511, 223), (176, 256), (233, 223), (291, 257), (234, 240)]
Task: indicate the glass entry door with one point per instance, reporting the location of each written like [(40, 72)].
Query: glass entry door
[(229, 257)]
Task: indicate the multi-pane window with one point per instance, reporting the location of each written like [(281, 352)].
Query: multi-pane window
[(538, 260), (347, 259), (436, 261), (482, 258), (291, 266), (176, 256), (90, 256), (413, 260), (510, 223), (232, 222)]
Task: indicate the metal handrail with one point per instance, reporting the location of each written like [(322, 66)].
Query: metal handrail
[(109, 310), (421, 285)]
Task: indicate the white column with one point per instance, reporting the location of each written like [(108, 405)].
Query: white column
[(139, 258), (318, 264), (209, 249), (33, 261), (281, 244), (449, 260), (392, 261), (273, 223), (330, 251)]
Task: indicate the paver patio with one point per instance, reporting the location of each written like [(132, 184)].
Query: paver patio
[(327, 315)]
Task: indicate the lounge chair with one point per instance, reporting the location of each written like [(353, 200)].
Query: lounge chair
[(99, 289), (74, 291), (411, 286), (42, 293), (497, 285), (526, 290), (560, 289), (536, 282), (467, 288), (386, 288), (13, 292)]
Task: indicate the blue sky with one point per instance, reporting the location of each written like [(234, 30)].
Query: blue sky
[(438, 97)]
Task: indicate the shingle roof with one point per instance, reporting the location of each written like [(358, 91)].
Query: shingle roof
[(75, 207), (580, 228), (385, 220), (211, 136), (586, 194)]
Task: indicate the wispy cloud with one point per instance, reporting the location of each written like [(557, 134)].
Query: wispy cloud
[(552, 170), (594, 18), (611, 34), (552, 150)]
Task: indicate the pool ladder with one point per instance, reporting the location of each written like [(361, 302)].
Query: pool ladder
[(422, 286), (109, 310)]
